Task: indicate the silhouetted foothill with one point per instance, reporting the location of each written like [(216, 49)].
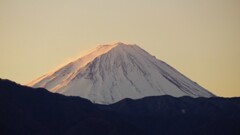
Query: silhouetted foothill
[(29, 111)]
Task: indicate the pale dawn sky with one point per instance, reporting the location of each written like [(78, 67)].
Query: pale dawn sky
[(200, 38)]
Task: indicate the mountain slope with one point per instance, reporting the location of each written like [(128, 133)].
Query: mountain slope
[(25, 110), (28, 111), (114, 72)]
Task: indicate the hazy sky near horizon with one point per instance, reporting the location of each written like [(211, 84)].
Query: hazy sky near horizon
[(200, 38)]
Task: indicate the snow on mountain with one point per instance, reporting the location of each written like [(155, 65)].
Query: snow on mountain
[(114, 72)]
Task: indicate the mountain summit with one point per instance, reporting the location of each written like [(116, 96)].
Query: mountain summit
[(114, 72)]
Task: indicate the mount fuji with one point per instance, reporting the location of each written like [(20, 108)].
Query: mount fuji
[(114, 72)]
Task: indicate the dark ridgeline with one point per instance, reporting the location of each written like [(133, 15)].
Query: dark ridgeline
[(28, 111)]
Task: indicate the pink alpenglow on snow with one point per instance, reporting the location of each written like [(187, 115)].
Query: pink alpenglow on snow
[(113, 72)]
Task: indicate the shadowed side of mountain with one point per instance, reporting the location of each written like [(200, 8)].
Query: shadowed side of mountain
[(168, 115), (25, 110), (168, 104)]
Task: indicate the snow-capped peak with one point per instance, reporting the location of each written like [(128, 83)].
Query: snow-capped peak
[(117, 71)]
